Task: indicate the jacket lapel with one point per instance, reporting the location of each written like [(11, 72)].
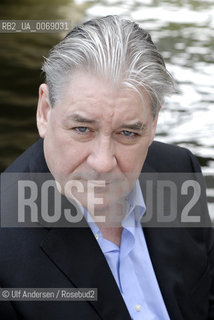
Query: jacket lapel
[(165, 249), (77, 254), (162, 243)]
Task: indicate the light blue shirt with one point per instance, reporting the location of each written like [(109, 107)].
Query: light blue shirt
[(131, 265)]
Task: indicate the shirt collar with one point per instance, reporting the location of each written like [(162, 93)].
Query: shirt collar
[(135, 209), (135, 205)]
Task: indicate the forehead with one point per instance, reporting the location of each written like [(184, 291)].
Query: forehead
[(95, 95)]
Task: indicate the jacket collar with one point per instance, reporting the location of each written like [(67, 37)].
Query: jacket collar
[(77, 254)]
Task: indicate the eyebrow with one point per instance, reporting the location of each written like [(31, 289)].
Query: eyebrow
[(81, 119), (137, 126)]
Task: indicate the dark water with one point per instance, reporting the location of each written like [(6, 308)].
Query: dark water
[(183, 31)]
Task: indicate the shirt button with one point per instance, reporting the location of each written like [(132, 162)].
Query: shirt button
[(138, 307), (97, 236)]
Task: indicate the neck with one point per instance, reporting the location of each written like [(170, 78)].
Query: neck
[(112, 234)]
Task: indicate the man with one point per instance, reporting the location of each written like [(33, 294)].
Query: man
[(97, 114)]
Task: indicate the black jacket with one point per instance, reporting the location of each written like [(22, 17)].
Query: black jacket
[(183, 258)]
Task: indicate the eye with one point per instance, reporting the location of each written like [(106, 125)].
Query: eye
[(81, 129), (128, 134)]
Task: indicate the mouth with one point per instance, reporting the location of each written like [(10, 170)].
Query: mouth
[(102, 183)]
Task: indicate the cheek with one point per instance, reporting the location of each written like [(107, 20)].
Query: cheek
[(71, 157), (62, 154), (131, 160)]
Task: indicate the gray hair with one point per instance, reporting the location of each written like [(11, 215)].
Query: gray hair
[(117, 49)]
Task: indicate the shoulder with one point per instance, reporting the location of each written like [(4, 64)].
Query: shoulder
[(32, 160), (164, 157)]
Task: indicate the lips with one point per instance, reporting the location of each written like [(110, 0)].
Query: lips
[(98, 183), (95, 176)]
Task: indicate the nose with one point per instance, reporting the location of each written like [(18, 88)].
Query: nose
[(102, 158)]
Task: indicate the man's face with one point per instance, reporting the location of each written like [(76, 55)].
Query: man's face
[(97, 132)]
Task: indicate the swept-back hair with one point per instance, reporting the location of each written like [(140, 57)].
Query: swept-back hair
[(114, 48)]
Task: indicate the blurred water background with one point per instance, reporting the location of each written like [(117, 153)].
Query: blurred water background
[(182, 30)]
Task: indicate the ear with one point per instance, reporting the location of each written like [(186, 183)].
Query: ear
[(154, 126), (43, 110)]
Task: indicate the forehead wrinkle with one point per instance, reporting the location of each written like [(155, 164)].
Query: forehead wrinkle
[(91, 103), (78, 117)]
